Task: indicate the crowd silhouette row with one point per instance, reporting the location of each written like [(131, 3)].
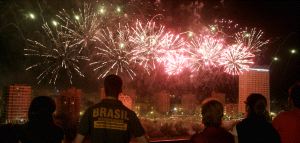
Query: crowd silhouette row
[(109, 121)]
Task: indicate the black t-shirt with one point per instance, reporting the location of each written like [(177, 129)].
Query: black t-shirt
[(40, 133), (255, 130), (110, 122)]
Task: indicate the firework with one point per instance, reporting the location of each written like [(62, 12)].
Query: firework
[(113, 54), (252, 39), (81, 27), (205, 52), (224, 26), (236, 58), (175, 62), (56, 57), (146, 39)]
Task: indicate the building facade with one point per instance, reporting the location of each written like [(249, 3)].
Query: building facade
[(162, 102), (17, 99), (68, 105), (189, 103), (253, 81)]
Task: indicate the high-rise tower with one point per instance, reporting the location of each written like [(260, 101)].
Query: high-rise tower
[(253, 81), (17, 98)]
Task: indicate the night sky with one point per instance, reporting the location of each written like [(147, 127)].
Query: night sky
[(279, 19)]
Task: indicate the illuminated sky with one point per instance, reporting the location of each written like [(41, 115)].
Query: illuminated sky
[(279, 19)]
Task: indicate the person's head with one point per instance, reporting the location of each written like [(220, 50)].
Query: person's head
[(212, 113), (41, 109), (112, 85), (256, 105), (294, 94)]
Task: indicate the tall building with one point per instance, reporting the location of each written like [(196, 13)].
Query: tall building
[(17, 99), (253, 81), (189, 103), (162, 102), (68, 105)]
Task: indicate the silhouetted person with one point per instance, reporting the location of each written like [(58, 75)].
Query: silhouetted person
[(41, 128), (288, 123), (110, 121), (256, 127), (212, 114)]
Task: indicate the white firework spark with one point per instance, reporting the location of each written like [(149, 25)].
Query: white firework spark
[(56, 57), (169, 43), (205, 52), (236, 58), (146, 39), (175, 61), (252, 39), (113, 55), (81, 27)]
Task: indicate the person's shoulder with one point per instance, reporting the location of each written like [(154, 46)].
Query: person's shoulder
[(283, 115), (197, 137), (242, 122), (225, 132), (94, 106)]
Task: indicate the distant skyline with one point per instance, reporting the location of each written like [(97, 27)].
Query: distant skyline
[(279, 19)]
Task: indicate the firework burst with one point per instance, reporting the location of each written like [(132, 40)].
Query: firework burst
[(205, 52), (172, 54), (56, 57), (225, 26), (236, 58), (81, 28), (146, 39), (252, 39), (175, 62), (168, 44), (113, 54)]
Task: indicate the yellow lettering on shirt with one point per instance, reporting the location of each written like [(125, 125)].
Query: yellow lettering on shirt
[(117, 114), (110, 113), (103, 112), (95, 112)]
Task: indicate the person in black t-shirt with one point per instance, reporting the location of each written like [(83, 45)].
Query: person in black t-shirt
[(110, 121), (41, 128), (256, 127)]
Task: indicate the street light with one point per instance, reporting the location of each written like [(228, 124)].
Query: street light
[(293, 51), (275, 58)]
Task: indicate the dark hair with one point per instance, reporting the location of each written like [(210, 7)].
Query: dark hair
[(113, 85), (41, 109), (212, 113), (256, 106), (294, 93)]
